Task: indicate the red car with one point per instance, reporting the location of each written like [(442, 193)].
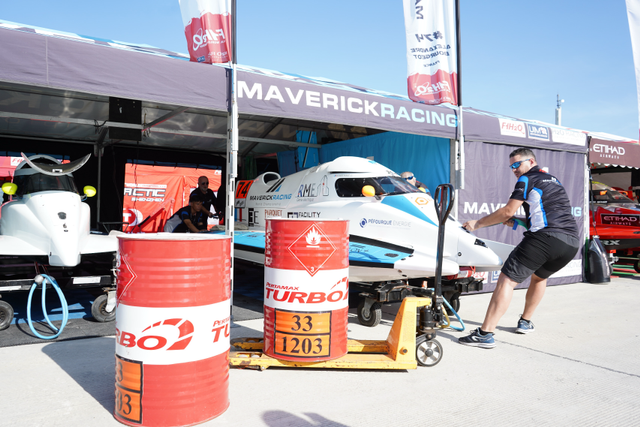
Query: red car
[(615, 218)]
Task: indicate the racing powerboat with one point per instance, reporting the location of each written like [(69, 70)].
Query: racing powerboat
[(393, 228)]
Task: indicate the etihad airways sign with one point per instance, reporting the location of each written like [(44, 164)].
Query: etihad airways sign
[(608, 149), (614, 152)]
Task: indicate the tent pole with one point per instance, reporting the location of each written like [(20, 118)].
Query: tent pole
[(460, 161), (232, 150), (99, 186), (585, 209)]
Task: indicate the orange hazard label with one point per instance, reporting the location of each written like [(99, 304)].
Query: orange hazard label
[(129, 389), (302, 334)]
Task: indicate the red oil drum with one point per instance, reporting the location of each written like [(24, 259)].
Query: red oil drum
[(172, 328), (306, 289)]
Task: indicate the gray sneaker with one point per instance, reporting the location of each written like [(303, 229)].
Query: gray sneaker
[(525, 327)]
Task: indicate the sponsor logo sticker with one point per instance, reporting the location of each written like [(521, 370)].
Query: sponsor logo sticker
[(513, 128), (15, 161), (538, 132), (303, 215), (271, 197), (568, 137), (272, 213), (163, 336), (383, 222), (624, 220)]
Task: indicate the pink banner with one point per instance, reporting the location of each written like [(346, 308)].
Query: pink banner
[(207, 27), (431, 51), (439, 88)]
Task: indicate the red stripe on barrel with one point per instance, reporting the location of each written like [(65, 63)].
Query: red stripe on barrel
[(166, 272)]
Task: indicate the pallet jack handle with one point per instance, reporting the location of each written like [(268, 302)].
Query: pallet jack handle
[(430, 315)]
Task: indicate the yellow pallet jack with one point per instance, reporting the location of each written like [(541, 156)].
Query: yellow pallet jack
[(401, 350)]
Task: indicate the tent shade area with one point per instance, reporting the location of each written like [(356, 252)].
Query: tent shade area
[(427, 157)]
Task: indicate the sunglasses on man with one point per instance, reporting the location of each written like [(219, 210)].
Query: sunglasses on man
[(516, 165), (409, 178)]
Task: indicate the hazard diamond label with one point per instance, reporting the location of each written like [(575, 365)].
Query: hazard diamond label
[(312, 249)]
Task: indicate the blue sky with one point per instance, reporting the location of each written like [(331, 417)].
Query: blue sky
[(516, 55)]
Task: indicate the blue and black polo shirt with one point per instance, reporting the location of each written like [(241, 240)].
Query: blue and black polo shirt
[(176, 224), (546, 203)]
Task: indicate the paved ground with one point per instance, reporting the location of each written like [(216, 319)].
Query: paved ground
[(580, 368)]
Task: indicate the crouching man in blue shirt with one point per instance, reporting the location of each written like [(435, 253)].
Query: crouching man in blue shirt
[(189, 219)]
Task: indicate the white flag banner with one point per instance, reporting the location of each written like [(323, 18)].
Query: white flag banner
[(207, 27), (633, 13), (431, 51)]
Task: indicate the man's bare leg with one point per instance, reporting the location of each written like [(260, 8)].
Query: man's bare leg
[(534, 296), (500, 300)]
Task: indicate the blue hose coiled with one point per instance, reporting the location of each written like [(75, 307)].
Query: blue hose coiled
[(65, 308), (457, 328)]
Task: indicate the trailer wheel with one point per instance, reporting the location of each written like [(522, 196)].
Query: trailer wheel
[(6, 315), (428, 352), (98, 310), (370, 317)]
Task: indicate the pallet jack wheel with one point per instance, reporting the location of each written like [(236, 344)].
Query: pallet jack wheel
[(370, 317), (98, 310), (428, 352), (6, 315)]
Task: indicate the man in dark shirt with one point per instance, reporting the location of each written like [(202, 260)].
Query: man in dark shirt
[(552, 240), (189, 219), (210, 205)]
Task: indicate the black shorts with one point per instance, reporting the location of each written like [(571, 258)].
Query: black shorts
[(538, 253)]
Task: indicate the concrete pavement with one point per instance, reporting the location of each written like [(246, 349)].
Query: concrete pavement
[(580, 368)]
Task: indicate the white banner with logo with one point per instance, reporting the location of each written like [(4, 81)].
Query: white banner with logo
[(207, 27), (633, 13), (328, 290), (166, 336), (431, 51)]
